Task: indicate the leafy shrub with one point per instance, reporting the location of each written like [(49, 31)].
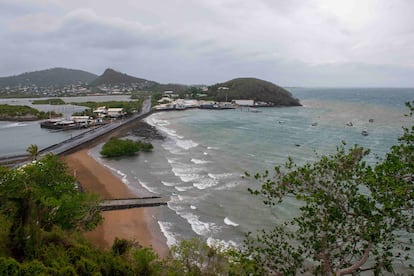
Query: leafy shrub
[(116, 147), (9, 266)]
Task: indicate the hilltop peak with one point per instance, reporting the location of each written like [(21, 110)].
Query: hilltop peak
[(113, 77)]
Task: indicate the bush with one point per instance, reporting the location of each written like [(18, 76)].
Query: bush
[(116, 147), (9, 266)]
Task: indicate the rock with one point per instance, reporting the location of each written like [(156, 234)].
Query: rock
[(147, 131)]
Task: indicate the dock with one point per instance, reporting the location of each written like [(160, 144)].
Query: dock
[(128, 203)]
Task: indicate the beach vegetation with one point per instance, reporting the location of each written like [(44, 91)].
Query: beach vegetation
[(54, 101), (352, 216), (23, 113), (128, 106), (33, 151), (116, 147)]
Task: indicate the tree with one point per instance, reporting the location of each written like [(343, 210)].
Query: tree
[(351, 217), (40, 196), (33, 151), (195, 257)]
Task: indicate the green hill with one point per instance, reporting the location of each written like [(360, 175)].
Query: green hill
[(252, 89), (57, 77), (112, 77)]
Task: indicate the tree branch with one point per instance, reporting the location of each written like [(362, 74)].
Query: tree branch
[(358, 264)]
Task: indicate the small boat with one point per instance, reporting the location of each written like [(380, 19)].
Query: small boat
[(281, 122), (364, 132), (314, 124), (254, 110), (349, 124)]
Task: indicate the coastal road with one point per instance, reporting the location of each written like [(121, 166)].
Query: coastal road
[(81, 139), (93, 134)]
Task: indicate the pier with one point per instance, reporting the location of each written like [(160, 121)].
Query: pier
[(82, 140), (128, 203)]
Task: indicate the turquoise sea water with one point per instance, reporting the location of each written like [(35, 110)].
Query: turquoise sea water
[(205, 152)]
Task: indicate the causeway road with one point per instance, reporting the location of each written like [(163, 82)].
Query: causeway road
[(82, 139)]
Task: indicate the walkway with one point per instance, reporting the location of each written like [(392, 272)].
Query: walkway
[(127, 203)]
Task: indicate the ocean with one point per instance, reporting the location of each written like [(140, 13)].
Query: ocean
[(201, 161)]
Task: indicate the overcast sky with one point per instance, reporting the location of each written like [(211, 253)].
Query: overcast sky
[(288, 42)]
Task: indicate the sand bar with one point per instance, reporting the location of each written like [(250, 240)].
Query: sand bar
[(133, 224)]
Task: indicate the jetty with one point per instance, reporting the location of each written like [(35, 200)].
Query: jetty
[(128, 203), (80, 141)]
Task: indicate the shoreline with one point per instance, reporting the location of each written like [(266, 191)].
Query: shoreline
[(136, 224)]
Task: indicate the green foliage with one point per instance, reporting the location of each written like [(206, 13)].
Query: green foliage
[(195, 257), (128, 106), (38, 197), (50, 77), (155, 98), (254, 89), (351, 217), (146, 262), (33, 151), (54, 101), (22, 112), (121, 246), (116, 147), (9, 266), (112, 77)]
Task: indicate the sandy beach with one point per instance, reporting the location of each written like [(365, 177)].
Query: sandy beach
[(133, 224)]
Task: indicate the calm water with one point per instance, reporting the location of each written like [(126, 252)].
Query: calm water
[(205, 152), (17, 136)]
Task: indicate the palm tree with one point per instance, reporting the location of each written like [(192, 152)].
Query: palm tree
[(33, 151)]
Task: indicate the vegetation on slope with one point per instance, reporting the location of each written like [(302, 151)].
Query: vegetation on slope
[(116, 147), (57, 77), (112, 77), (23, 113), (254, 89)]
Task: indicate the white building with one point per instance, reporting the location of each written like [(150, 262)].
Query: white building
[(115, 112), (243, 102)]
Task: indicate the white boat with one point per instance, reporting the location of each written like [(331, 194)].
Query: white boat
[(364, 132), (254, 110)]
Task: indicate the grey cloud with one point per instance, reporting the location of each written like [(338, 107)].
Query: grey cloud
[(287, 42)]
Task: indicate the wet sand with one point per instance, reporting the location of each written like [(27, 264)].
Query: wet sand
[(133, 224)]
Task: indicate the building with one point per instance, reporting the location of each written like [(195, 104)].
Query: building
[(243, 102), (115, 112)]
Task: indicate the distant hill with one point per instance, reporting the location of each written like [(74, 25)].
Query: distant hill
[(57, 77), (112, 77), (254, 89)]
